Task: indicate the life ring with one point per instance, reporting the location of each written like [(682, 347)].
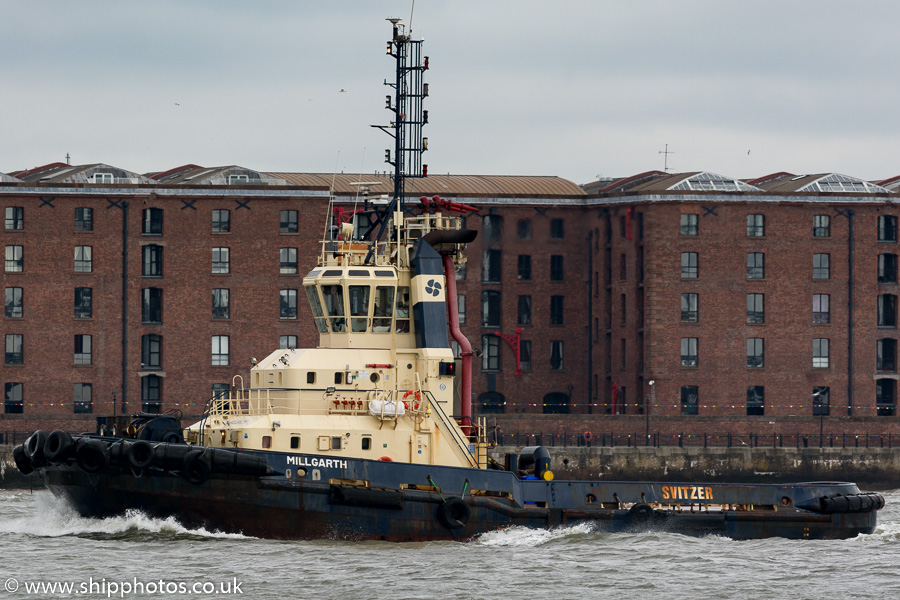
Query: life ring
[(92, 456), (195, 467), (416, 395), (386, 459), (454, 513), (588, 437), (139, 454), (58, 446)]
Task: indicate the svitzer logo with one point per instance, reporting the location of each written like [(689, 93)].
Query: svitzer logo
[(433, 287)]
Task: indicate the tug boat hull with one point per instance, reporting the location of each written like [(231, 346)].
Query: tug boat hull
[(319, 497)]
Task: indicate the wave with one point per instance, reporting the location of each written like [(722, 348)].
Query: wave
[(526, 537), (52, 518)]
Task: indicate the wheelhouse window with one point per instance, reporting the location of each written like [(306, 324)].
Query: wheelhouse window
[(359, 307), (690, 308), (84, 219), (15, 217), (83, 403), (288, 222), (221, 221), (221, 304), (84, 306), (383, 309), (221, 261), (689, 224), (220, 353), (83, 352), (689, 265), (152, 221), (334, 307), (13, 303), (689, 356)]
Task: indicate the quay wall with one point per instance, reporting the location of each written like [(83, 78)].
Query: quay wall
[(879, 467)]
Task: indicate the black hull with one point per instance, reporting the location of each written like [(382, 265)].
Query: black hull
[(316, 497)]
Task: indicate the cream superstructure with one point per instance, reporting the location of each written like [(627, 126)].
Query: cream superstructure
[(369, 390)]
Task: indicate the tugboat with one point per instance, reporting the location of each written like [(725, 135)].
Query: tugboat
[(354, 439)]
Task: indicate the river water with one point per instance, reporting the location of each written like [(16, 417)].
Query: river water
[(43, 543)]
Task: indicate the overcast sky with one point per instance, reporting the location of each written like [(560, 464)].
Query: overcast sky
[(518, 87)]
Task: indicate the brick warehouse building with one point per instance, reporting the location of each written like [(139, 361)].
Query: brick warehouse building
[(754, 306)]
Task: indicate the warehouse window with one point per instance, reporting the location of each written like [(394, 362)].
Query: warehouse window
[(221, 221), (287, 341), (523, 229), (524, 267), (490, 308), (690, 308), (490, 266), (557, 310), (83, 349), (756, 310), (82, 398), (288, 261), (821, 401), (756, 226), (689, 266), (15, 260), (887, 310), (151, 394), (556, 268), (13, 302), (221, 260), (556, 355), (490, 357), (689, 399), (885, 397), (15, 217), (556, 229), (887, 228), (887, 268), (221, 307), (151, 305), (151, 351), (755, 353), (84, 219), (14, 353), (820, 353), (220, 354), (152, 221), (821, 308), (152, 260), (821, 266), (288, 304), (288, 221), (886, 355), (84, 308), (12, 398), (756, 400), (756, 265), (689, 355), (84, 259), (524, 310), (689, 224), (821, 226)]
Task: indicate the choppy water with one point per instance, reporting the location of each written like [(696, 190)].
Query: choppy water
[(42, 541)]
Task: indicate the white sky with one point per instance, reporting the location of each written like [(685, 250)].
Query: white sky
[(574, 88)]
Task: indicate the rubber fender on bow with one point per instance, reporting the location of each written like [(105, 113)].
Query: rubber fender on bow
[(23, 463), (58, 446), (34, 448), (852, 503), (139, 454), (92, 456), (195, 467), (454, 513)]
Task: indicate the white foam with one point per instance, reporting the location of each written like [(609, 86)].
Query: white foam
[(526, 537), (54, 518)]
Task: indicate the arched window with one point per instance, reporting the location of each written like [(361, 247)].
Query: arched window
[(556, 403), (491, 403)]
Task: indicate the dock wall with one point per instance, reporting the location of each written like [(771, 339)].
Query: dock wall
[(871, 466)]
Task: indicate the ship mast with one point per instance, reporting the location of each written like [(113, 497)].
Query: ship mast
[(408, 119)]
